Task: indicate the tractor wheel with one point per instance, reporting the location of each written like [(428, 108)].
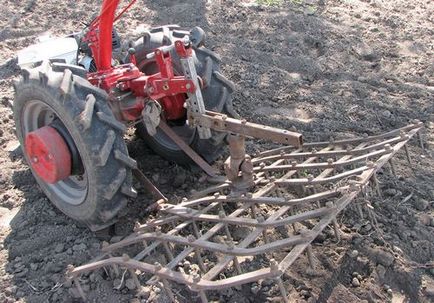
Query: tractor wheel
[(217, 93), (73, 144)]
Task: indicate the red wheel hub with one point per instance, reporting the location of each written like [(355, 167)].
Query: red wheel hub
[(49, 154)]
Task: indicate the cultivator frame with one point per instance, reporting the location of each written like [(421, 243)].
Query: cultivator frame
[(296, 193)]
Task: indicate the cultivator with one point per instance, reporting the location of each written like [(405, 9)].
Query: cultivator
[(232, 234), (71, 114)]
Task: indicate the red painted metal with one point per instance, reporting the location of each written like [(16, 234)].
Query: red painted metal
[(183, 51), (49, 155), (163, 86), (105, 34), (173, 107)]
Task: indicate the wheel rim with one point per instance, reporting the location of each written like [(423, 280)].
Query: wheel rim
[(73, 190)]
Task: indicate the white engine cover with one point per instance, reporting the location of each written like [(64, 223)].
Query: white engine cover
[(57, 48)]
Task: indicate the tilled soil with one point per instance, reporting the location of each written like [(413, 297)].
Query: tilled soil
[(329, 68)]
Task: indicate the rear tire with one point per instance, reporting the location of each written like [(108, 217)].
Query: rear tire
[(97, 194), (216, 91)]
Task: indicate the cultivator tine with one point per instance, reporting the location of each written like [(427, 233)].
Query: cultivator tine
[(222, 228)]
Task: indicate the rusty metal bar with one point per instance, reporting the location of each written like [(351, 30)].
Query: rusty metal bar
[(208, 169), (223, 123)]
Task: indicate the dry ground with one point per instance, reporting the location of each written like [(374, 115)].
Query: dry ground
[(329, 67)]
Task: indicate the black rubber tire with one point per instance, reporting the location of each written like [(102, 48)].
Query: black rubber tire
[(97, 135), (217, 91)]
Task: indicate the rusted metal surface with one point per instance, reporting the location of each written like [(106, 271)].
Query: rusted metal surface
[(223, 123), (238, 167), (297, 193)]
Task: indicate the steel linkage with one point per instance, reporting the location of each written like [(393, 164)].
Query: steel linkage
[(223, 238)]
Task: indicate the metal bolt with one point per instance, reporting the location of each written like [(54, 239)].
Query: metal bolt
[(136, 226), (243, 121), (35, 160), (188, 86), (196, 278), (231, 244), (69, 268), (157, 266), (274, 266)]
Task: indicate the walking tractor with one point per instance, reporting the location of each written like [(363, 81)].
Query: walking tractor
[(79, 94)]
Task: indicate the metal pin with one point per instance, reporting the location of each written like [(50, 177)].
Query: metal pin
[(196, 230), (253, 211), (115, 268), (314, 191), (237, 265), (294, 226), (359, 210), (310, 256), (168, 250), (261, 219), (282, 290), (135, 278), (335, 224), (168, 289), (419, 135), (392, 167), (202, 294), (79, 289), (377, 185), (202, 267), (305, 233), (166, 284), (407, 154), (222, 215)]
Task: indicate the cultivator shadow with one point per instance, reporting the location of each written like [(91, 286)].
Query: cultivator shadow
[(210, 242)]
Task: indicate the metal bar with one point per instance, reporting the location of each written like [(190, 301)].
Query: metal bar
[(139, 175), (223, 123), (208, 169)]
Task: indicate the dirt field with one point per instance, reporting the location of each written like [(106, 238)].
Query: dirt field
[(327, 67)]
